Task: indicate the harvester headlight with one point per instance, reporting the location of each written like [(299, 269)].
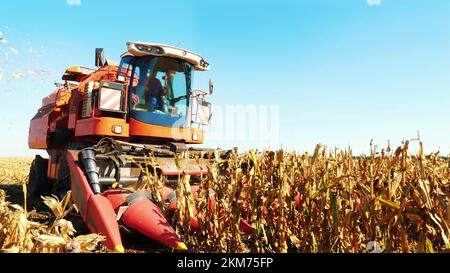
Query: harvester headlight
[(195, 137), (117, 129)]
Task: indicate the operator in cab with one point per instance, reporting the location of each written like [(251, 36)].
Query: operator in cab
[(154, 95)]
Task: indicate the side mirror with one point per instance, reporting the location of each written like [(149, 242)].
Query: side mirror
[(211, 87), (99, 57)]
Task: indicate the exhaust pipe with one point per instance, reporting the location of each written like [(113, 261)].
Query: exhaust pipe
[(87, 158)]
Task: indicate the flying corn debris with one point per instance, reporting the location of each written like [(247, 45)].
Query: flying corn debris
[(18, 76), (15, 51), (2, 38)]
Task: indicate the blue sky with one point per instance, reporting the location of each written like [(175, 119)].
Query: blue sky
[(342, 72)]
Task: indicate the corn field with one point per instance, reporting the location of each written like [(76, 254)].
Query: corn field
[(14, 170), (18, 234), (391, 199), (388, 201)]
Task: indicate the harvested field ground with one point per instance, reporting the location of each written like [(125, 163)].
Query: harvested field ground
[(14, 172)]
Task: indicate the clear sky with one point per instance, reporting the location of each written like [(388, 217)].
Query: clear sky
[(341, 71)]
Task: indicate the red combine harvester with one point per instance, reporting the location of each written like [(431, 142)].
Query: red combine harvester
[(100, 126)]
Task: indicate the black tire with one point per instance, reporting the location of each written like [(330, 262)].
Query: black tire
[(38, 183), (62, 184)]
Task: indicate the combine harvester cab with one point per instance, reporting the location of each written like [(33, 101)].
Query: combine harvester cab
[(101, 127)]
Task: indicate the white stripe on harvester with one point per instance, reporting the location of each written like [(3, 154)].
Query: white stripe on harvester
[(110, 99), (203, 115)]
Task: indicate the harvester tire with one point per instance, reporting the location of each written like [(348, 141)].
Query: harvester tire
[(38, 184), (62, 184)]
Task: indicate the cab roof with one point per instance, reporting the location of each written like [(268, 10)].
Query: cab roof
[(140, 49)]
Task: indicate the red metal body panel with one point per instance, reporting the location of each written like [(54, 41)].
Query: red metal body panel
[(116, 198), (50, 111), (101, 219), (297, 201), (245, 227), (101, 127), (107, 73), (81, 191), (72, 121), (147, 218), (96, 210), (38, 135)]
